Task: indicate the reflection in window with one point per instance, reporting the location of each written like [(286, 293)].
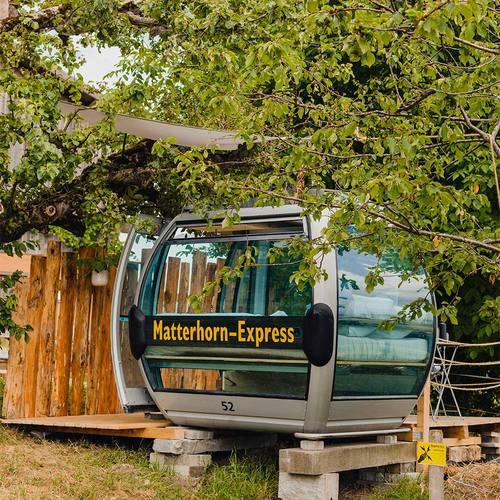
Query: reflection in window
[(371, 361), (181, 268)]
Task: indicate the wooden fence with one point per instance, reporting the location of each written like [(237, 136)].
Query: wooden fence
[(65, 368)]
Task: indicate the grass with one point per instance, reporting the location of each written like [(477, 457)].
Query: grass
[(61, 469), (43, 469), (406, 489)]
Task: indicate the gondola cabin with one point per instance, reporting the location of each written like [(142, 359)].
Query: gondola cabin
[(257, 352)]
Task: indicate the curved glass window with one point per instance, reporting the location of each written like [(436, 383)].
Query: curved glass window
[(261, 296), (370, 361)]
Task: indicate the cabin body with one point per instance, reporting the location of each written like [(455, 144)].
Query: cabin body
[(257, 352)]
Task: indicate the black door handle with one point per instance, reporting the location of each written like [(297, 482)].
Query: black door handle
[(318, 334), (137, 331)]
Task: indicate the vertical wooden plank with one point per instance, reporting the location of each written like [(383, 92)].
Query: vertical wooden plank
[(106, 388), (221, 262), (35, 310), (47, 329), (172, 285), (198, 274), (64, 335), (80, 334), (161, 292), (95, 352), (183, 288), (210, 277), (12, 400)]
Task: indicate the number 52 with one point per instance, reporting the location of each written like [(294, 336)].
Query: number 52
[(227, 406)]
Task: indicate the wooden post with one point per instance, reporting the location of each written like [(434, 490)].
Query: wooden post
[(64, 335), (47, 329), (80, 335), (436, 473), (423, 417), (35, 309), (423, 411)]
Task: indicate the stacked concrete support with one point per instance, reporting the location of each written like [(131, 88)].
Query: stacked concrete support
[(312, 471), (490, 445), (190, 456)]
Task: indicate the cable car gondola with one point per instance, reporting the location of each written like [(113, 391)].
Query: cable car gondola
[(259, 353)]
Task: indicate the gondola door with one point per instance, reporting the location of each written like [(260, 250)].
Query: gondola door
[(129, 381)]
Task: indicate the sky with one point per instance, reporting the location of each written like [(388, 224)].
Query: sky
[(98, 62)]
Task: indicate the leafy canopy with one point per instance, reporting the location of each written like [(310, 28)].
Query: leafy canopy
[(383, 113)]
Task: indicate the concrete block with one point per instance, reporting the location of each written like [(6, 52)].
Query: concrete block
[(464, 453), (343, 457), (187, 471), (387, 439), (299, 487), (491, 433), (195, 446), (312, 445), (164, 460), (198, 434), (491, 439)]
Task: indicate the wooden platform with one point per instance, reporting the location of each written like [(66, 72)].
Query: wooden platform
[(134, 425), (466, 437), (441, 422)]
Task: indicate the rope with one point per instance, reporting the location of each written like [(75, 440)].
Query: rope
[(465, 344), (465, 363), (474, 389), (468, 375), (476, 384)]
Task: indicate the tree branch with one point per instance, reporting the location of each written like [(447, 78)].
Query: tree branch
[(395, 224), (489, 139), (49, 18), (477, 46)]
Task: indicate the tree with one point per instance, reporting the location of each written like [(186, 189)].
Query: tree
[(384, 113)]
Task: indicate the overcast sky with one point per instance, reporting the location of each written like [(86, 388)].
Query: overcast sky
[(98, 63)]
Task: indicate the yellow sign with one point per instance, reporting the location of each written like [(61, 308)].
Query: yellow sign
[(431, 453)]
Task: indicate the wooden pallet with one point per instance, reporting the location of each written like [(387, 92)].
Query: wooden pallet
[(134, 425), (463, 436)]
